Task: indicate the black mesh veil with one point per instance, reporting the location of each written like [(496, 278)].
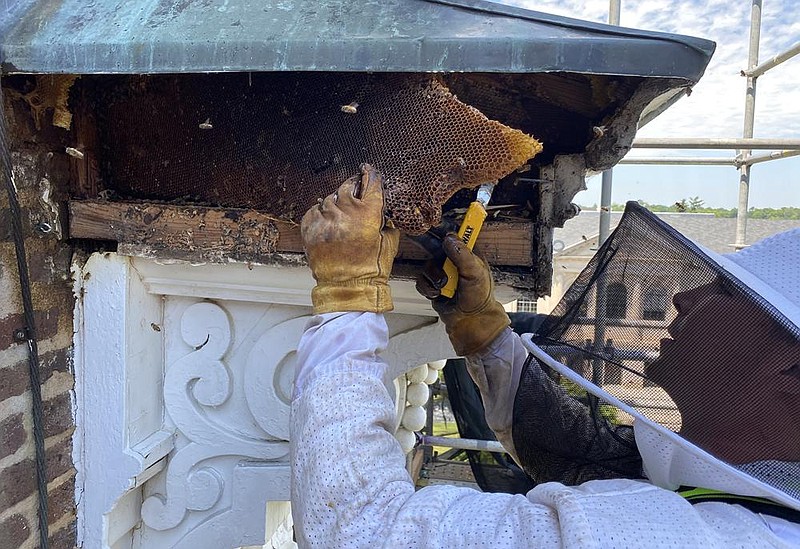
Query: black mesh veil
[(660, 363), (494, 472)]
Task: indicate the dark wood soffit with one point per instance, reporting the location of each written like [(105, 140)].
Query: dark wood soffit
[(220, 234)]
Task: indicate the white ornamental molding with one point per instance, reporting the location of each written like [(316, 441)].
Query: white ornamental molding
[(417, 393), (183, 384), (269, 376), (196, 387)]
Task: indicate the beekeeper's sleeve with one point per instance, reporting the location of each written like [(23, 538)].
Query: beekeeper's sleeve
[(350, 487)]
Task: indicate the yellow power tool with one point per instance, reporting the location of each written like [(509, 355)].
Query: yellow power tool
[(468, 234)]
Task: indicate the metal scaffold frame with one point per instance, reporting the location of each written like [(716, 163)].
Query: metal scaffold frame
[(743, 160), (744, 146)]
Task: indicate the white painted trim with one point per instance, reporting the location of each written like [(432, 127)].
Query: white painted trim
[(110, 349), (132, 320), (285, 285), (78, 401)]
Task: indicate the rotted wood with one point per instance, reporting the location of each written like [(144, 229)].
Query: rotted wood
[(223, 234), (85, 173)]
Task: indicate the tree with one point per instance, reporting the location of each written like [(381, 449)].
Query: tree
[(695, 203)]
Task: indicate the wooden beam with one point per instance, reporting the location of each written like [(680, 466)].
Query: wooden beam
[(220, 234), (85, 177)]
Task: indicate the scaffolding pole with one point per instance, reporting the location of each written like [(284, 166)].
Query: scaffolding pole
[(772, 63), (463, 443), (750, 160), (749, 122), (683, 160), (708, 143), (734, 161), (614, 9), (744, 159)]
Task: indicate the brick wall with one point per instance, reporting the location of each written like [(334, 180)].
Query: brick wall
[(41, 171)]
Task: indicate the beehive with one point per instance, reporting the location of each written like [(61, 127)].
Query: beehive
[(278, 142)]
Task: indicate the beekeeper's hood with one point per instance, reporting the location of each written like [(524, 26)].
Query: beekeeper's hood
[(700, 351)]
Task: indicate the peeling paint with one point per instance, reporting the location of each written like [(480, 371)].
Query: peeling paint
[(48, 205)]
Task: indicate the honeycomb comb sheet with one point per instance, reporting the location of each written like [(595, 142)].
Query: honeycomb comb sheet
[(277, 142)]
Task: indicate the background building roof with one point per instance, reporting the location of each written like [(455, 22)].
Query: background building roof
[(715, 233)]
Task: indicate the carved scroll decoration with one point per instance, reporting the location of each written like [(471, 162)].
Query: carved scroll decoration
[(196, 388)]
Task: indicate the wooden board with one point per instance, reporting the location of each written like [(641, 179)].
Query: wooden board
[(221, 234), (85, 178)]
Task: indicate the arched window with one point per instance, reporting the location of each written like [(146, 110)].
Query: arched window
[(616, 300), (655, 303)]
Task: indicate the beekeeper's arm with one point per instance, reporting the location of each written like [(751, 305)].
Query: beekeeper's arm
[(550, 434), (350, 487), (349, 484)]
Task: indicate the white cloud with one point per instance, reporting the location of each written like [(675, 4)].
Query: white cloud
[(716, 106)]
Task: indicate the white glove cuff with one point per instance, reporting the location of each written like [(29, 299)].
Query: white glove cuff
[(341, 342)]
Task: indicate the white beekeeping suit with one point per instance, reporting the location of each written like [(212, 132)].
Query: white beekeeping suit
[(350, 487)]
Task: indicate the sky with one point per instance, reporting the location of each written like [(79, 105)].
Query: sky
[(716, 106)]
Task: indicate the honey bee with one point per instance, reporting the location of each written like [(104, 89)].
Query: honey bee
[(351, 108), (75, 153)]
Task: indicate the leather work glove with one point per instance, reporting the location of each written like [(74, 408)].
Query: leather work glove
[(350, 247), (473, 317)]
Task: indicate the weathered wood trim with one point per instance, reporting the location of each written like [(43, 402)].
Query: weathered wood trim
[(85, 173), (221, 234)]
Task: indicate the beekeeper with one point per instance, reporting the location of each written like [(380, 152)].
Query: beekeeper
[(350, 487)]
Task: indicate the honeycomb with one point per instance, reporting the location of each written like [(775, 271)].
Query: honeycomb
[(277, 142), (50, 92)]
